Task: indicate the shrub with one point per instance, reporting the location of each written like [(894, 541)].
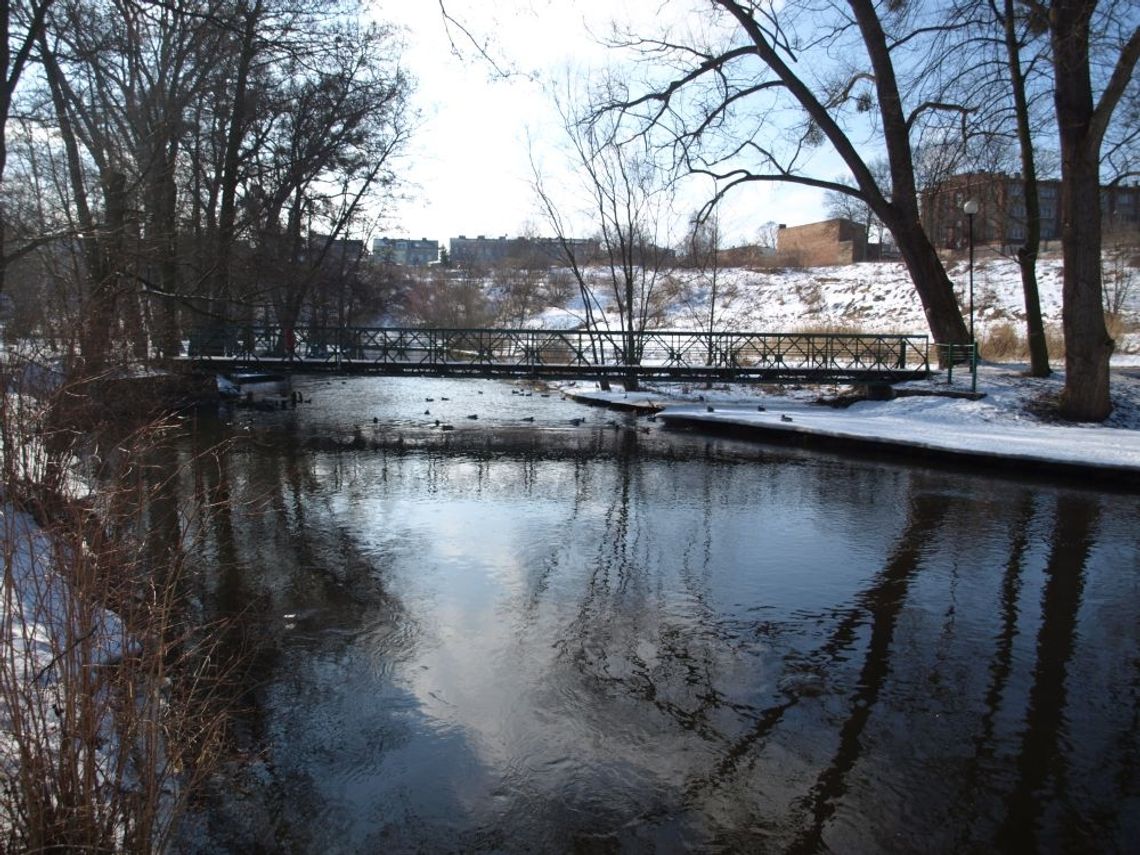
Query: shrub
[(112, 709)]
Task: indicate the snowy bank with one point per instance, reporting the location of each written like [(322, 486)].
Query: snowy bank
[(871, 297), (1004, 429), (38, 610)]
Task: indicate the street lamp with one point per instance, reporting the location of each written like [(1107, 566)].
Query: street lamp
[(971, 208)]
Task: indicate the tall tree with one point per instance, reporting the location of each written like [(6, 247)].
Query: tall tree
[(705, 250), (20, 27), (249, 22), (1027, 253), (197, 132), (717, 105), (1006, 89), (122, 74), (1082, 122), (330, 128)]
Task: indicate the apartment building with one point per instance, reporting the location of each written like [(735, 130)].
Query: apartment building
[(405, 251), (483, 251), (1002, 218)]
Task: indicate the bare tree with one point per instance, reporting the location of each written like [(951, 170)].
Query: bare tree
[(41, 296), (333, 115), (122, 76), (629, 200), (524, 282), (1007, 90), (714, 111), (768, 235), (1083, 121), (455, 299), (198, 133), (248, 24), (20, 27), (1014, 38), (706, 251), (707, 292), (1121, 273)]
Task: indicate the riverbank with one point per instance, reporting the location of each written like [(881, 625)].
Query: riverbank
[(1012, 425)]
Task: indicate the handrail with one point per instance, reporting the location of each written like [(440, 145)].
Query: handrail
[(729, 355), (952, 354)]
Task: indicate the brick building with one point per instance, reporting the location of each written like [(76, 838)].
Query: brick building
[(1001, 217), (825, 244)]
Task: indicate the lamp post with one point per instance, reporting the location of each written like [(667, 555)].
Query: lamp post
[(971, 208)]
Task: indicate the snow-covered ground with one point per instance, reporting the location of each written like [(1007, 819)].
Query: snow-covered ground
[(1012, 420), (871, 297)]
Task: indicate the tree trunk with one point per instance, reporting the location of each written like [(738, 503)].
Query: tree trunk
[(13, 65), (900, 213), (164, 234), (94, 332), (632, 357), (1027, 252), (1034, 324), (934, 287), (1087, 344), (227, 214), (105, 280)]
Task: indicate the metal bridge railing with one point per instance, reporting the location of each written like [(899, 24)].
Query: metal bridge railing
[(960, 354), (536, 351)]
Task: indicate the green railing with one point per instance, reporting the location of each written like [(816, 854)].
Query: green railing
[(960, 354), (737, 356)]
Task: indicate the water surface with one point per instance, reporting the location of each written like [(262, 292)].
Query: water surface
[(593, 635)]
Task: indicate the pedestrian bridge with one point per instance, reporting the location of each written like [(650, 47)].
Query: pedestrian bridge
[(741, 357)]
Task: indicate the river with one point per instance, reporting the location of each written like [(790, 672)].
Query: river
[(584, 633)]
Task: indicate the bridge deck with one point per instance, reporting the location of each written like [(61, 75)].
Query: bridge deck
[(561, 354)]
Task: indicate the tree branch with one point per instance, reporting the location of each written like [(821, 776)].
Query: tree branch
[(449, 22), (926, 106), (1114, 91)]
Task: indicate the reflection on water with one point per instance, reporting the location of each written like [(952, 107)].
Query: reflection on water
[(591, 638)]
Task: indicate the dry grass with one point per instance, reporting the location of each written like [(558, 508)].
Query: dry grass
[(1055, 341), (112, 696), (1002, 341), (1005, 342), (842, 327), (1120, 325)]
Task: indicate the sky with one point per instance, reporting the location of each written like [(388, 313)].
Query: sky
[(467, 168)]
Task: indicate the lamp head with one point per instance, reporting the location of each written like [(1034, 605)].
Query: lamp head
[(971, 207)]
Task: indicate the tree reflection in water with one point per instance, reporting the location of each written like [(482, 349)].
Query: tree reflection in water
[(611, 643)]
